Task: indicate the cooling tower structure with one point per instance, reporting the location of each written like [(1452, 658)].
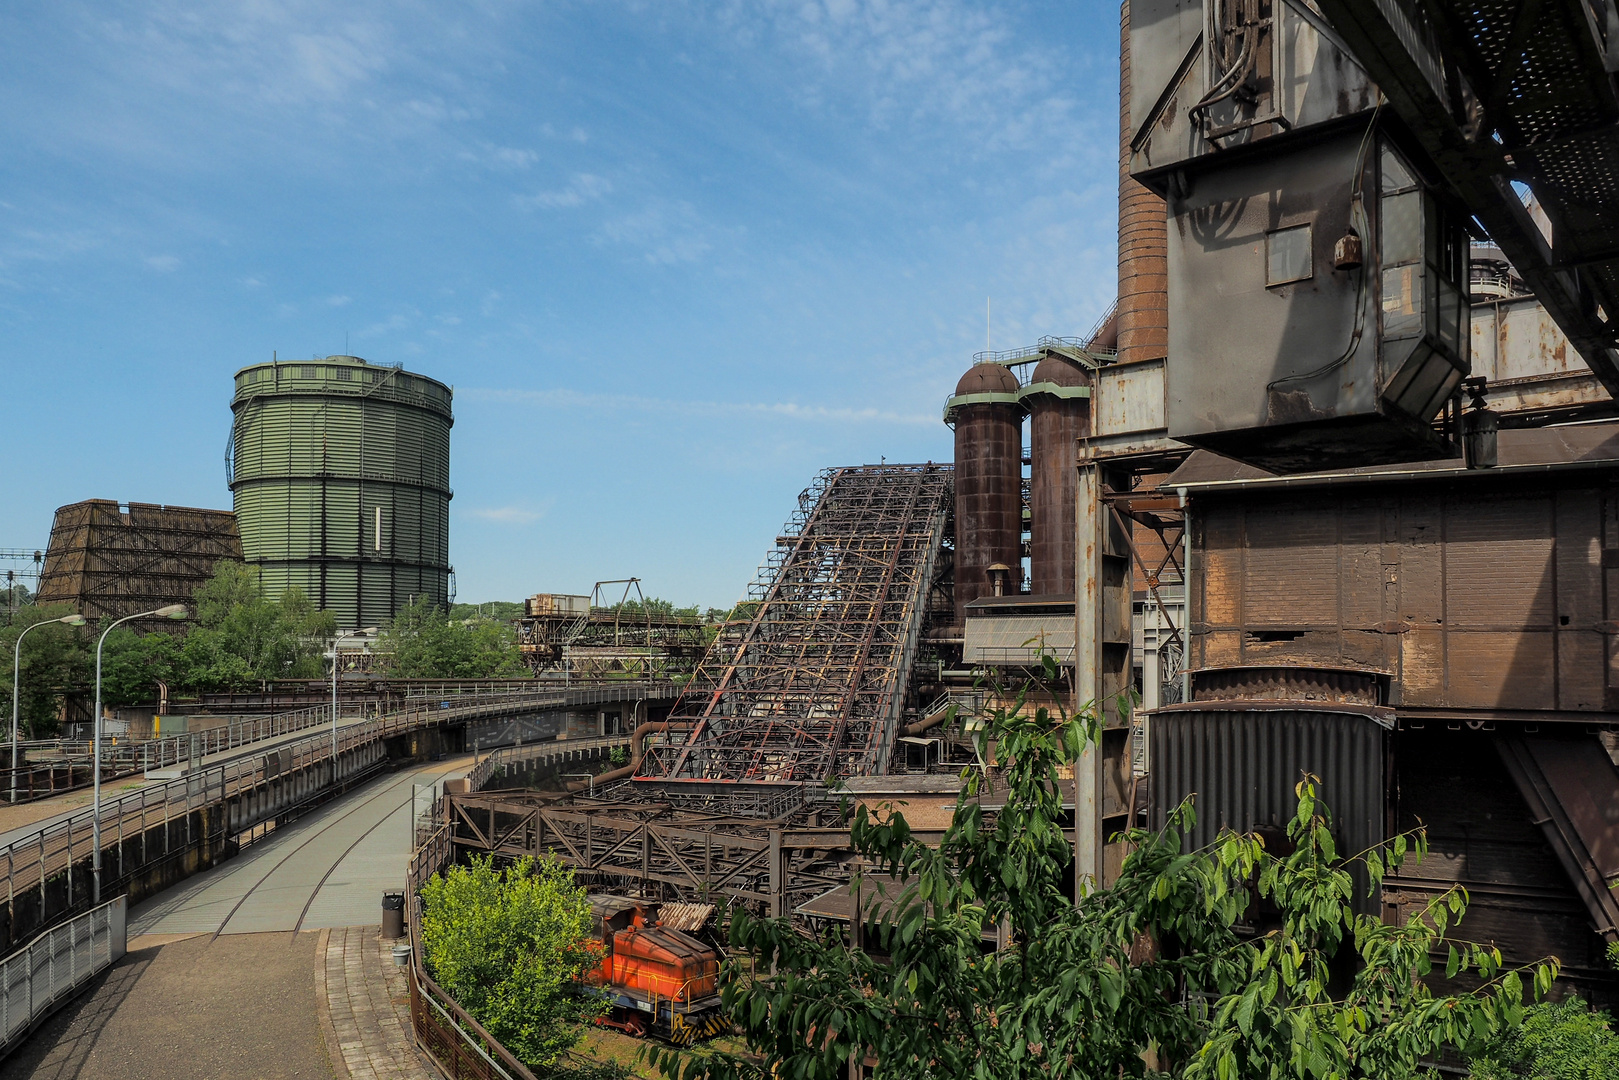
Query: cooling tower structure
[(340, 472), (1059, 405), (988, 418)]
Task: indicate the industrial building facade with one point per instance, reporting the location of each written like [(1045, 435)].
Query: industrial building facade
[(340, 472)]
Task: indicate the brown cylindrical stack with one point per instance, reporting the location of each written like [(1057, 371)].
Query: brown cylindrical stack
[(1143, 317), (989, 480), (1056, 424)]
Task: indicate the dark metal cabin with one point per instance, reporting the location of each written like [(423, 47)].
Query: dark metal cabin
[(1317, 273)]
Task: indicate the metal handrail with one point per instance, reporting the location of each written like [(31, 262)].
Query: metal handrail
[(33, 858), (34, 969)]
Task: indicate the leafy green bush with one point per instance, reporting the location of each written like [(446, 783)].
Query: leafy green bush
[(423, 642), (512, 947), (1566, 1040)]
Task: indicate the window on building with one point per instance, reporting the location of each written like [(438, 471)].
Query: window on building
[(1288, 255)]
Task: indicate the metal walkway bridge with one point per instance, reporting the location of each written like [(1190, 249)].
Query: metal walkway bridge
[(1524, 92), (160, 832), (812, 685)]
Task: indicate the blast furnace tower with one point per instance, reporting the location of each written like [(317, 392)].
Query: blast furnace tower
[(340, 472), (988, 419)]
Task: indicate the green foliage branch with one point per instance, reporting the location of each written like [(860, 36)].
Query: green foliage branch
[(423, 642), (1173, 971), (514, 947)]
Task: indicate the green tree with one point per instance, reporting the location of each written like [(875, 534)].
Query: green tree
[(1158, 967), (1566, 1040), (499, 610), (513, 948), (132, 663), (242, 636), (423, 642), (56, 660)]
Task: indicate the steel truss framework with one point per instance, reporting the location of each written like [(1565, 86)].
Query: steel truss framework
[(650, 848), (812, 685), (110, 560)]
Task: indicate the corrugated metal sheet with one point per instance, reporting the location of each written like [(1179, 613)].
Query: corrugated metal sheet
[(687, 918), (341, 478), (1242, 763), (1018, 639)]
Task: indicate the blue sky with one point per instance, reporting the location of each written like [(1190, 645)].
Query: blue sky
[(674, 257)]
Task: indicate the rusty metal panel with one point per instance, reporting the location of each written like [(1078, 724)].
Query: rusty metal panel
[(1243, 761), (1128, 398), (1291, 576), (1498, 562), (1251, 683), (1499, 670), (1483, 836)]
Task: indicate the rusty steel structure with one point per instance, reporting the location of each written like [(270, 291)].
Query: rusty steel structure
[(586, 637), (772, 864), (812, 684), (987, 415), (110, 559), (1058, 400), (1141, 316), (1499, 94)]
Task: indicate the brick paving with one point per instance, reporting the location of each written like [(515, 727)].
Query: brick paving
[(364, 1006)]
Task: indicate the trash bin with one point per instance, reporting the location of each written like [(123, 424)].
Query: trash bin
[(393, 914)]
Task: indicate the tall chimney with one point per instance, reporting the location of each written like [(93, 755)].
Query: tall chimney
[(1143, 317)]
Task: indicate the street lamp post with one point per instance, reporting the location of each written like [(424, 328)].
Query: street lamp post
[(170, 611), (16, 679), (334, 710)]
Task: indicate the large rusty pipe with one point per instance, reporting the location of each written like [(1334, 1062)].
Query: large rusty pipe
[(637, 751), (930, 721)]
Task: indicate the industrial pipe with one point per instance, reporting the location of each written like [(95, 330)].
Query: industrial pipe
[(637, 751), (926, 722)]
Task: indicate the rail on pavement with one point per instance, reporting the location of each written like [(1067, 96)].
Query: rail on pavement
[(47, 972)]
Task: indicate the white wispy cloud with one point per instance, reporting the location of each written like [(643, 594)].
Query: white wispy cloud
[(763, 409), (909, 61), (583, 188), (163, 263), (666, 232)]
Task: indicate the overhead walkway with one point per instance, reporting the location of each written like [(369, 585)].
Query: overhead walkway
[(812, 684)]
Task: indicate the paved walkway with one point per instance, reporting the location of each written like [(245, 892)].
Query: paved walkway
[(365, 1006), (328, 868), (226, 976), (201, 1008)]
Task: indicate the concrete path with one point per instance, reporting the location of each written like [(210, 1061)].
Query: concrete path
[(198, 1009), (328, 868), (227, 974)]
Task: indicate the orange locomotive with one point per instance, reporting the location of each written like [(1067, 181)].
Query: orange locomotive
[(658, 978)]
